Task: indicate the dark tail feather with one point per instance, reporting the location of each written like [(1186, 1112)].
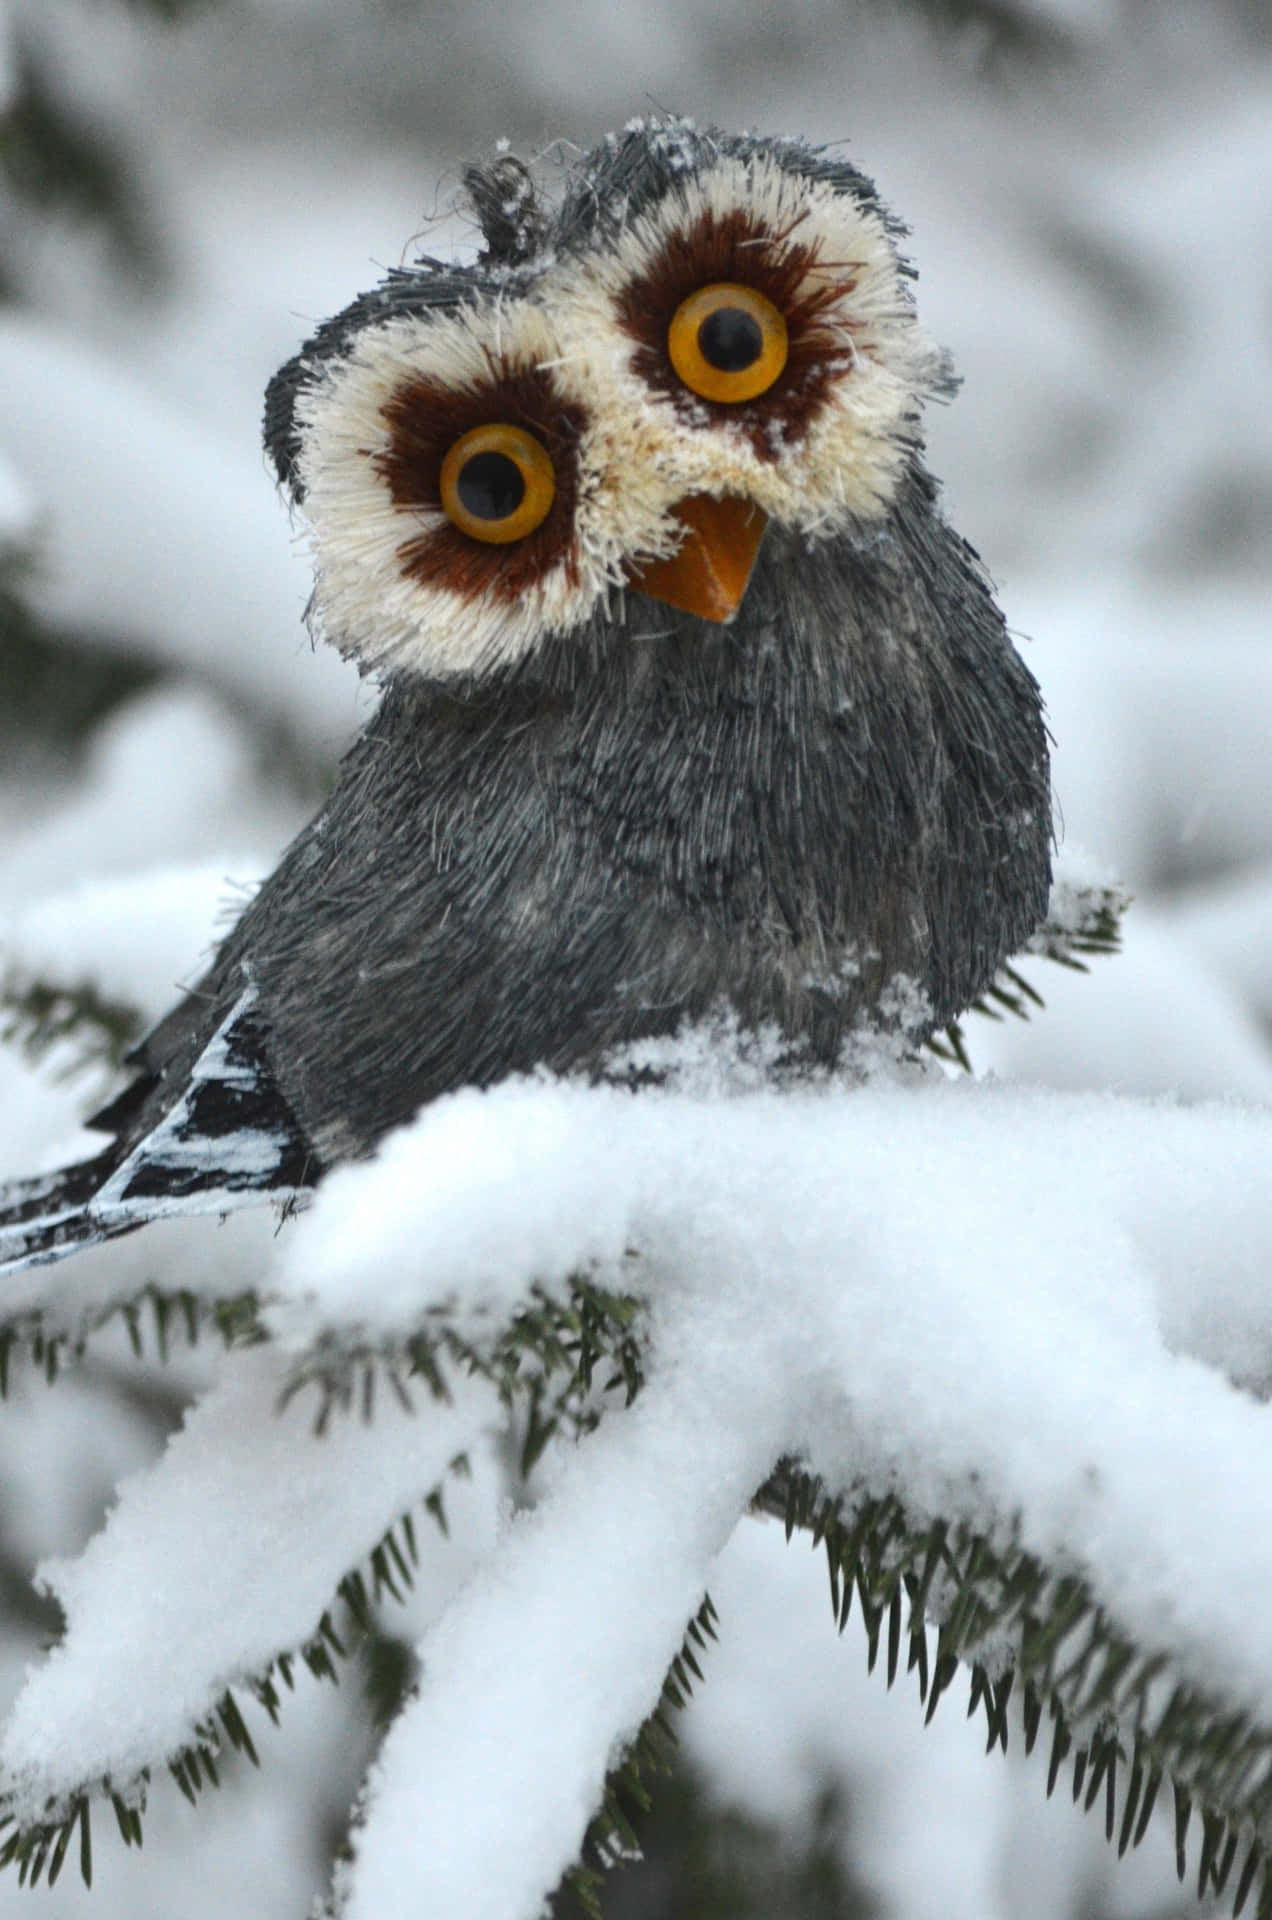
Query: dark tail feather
[(228, 1140), (35, 1231), (67, 1187), (44, 1216)]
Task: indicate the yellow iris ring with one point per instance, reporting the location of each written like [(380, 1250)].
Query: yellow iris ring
[(533, 464), (685, 344)]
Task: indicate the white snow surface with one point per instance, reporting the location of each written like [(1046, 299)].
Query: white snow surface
[(17, 509), (154, 533), (788, 1711), (1165, 1016), (255, 1520), (566, 1637), (880, 1279), (168, 778), (134, 937)]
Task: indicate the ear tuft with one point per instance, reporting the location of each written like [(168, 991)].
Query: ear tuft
[(506, 202)]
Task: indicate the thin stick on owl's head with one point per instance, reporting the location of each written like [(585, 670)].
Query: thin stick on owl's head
[(509, 211)]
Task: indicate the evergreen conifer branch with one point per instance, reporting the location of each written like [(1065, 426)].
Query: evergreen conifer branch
[(1122, 1719), (1007, 34), (611, 1837), (1083, 923), (37, 1015), (56, 161), (39, 1849), (55, 687), (548, 1363), (154, 1317), (1084, 920)]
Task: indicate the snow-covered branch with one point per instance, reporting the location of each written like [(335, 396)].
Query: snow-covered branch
[(1027, 1320), (223, 1556)]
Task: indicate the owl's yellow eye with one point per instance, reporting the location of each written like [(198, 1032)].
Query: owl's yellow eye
[(497, 483), (727, 342)]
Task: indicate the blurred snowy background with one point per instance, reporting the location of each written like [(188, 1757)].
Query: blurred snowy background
[(184, 190)]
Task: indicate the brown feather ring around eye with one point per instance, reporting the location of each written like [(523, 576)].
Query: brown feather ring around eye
[(727, 342), (497, 483)]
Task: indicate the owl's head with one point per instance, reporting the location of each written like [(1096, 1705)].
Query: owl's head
[(707, 332)]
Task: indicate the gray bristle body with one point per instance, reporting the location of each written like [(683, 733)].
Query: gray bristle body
[(644, 820), (640, 166), (846, 785)]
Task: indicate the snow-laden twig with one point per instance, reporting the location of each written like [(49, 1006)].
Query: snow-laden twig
[(566, 1638), (223, 1555), (124, 553), (1024, 1331), (994, 1356)]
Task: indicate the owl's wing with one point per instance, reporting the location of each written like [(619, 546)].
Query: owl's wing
[(223, 1138)]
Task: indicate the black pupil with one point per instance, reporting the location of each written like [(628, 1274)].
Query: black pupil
[(490, 486), (730, 340)]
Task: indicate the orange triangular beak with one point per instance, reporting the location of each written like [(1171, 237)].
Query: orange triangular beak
[(708, 572)]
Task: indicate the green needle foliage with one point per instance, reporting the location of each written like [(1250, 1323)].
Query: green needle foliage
[(1119, 1718), (1004, 34), (552, 1365), (1122, 1725), (555, 1366), (54, 690), (1084, 924), (611, 1837), (38, 1017), (55, 162), (350, 1626), (702, 1862), (154, 1319), (593, 1333), (1122, 1729)]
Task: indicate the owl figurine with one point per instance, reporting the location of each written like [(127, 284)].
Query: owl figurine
[(691, 699)]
